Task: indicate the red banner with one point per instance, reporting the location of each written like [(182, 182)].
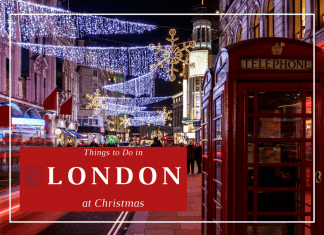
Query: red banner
[(66, 107), (103, 179), (4, 117), (50, 103)]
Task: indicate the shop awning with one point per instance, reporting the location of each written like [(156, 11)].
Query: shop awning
[(68, 134), (77, 134)]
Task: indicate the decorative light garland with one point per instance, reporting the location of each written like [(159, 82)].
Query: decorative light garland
[(133, 113), (124, 121), (141, 121), (96, 102), (165, 114), (136, 101), (138, 86), (171, 55), (113, 109), (62, 23), (135, 61)]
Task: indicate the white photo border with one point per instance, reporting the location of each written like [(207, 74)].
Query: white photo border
[(149, 222)]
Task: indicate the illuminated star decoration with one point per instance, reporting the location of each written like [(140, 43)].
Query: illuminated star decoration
[(165, 114), (124, 121), (96, 102), (157, 133), (171, 55)]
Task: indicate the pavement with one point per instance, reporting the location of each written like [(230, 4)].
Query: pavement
[(193, 213)]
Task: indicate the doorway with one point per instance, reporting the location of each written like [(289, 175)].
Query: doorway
[(275, 157)]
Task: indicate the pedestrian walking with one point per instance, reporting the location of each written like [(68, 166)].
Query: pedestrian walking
[(68, 145), (190, 157), (156, 142), (198, 156), (93, 144)]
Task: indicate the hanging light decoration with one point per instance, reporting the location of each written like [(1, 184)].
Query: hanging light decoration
[(56, 22), (142, 121), (133, 61), (124, 121), (139, 86), (165, 114), (137, 101), (171, 55), (96, 102)]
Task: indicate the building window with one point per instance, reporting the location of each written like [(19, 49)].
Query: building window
[(256, 25), (299, 21), (7, 75), (35, 89), (197, 100), (44, 87), (95, 74), (239, 35), (207, 34), (94, 87), (85, 120), (203, 34), (24, 87), (198, 84), (319, 14), (198, 35), (270, 19)]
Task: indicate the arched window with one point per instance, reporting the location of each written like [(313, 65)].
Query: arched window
[(270, 19), (239, 35), (232, 40), (319, 14), (299, 21), (256, 25)]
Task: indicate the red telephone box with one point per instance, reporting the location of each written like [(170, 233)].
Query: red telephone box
[(258, 139)]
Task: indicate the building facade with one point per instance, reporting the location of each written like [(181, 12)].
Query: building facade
[(202, 57), (236, 28)]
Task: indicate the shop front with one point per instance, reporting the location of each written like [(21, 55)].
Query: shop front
[(91, 133), (259, 145)]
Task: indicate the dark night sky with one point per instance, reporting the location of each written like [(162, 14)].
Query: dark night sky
[(181, 23)]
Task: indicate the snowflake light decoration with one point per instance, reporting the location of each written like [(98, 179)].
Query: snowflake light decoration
[(171, 55), (96, 102), (165, 114), (157, 133), (124, 121)]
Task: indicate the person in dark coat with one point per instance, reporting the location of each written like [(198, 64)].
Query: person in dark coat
[(198, 156), (68, 145), (191, 157), (156, 142), (93, 144)]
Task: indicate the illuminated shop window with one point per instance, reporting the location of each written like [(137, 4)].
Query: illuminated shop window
[(239, 36), (299, 21), (270, 18), (256, 24)]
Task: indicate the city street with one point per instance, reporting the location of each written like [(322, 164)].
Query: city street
[(90, 228), (208, 112)]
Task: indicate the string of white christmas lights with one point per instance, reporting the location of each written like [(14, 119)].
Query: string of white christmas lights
[(135, 101), (123, 109), (139, 86), (133, 61), (141, 121), (57, 24)]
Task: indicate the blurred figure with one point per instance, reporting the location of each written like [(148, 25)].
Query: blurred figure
[(59, 145), (69, 145), (156, 142), (198, 156), (190, 157), (93, 144)]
